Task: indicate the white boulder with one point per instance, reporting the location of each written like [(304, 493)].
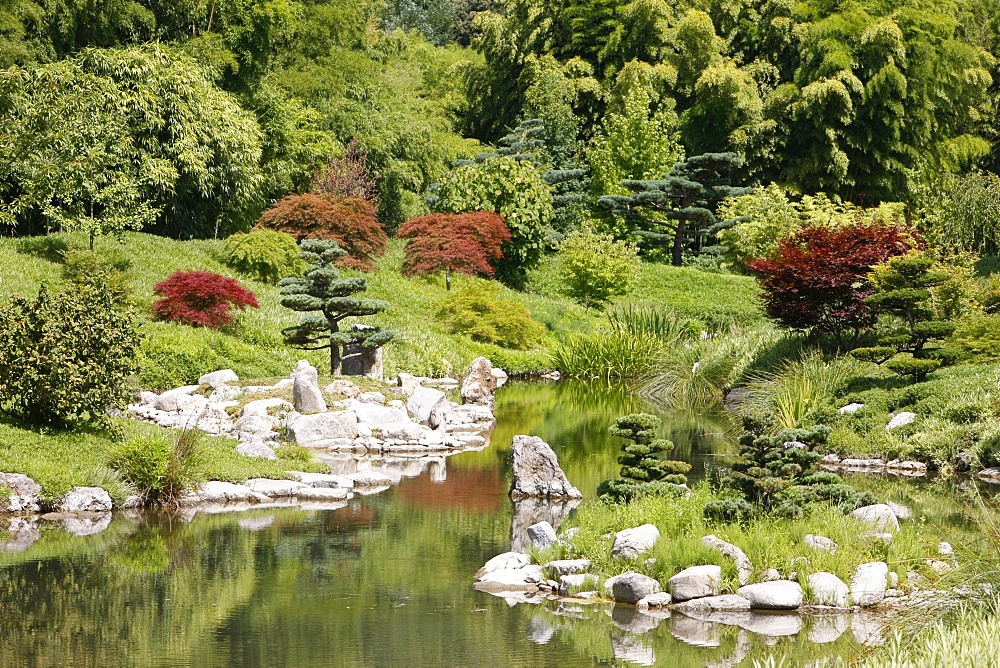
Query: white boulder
[(630, 543), (696, 582)]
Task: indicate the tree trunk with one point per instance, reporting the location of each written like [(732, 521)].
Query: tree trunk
[(447, 278), (334, 350), (678, 258)]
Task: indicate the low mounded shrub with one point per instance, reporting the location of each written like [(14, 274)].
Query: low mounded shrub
[(643, 470), (266, 255), (200, 298), (478, 311), (66, 356), (104, 269)]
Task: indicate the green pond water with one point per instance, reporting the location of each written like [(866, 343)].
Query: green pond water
[(383, 581)]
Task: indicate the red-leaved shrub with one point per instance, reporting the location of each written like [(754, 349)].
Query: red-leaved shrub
[(200, 298), (816, 281), (349, 221), (468, 243), (346, 176)]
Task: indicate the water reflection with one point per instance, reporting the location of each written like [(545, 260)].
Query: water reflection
[(386, 579)]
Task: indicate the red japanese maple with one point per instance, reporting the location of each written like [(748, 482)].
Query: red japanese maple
[(816, 281), (349, 221), (200, 298), (467, 243)]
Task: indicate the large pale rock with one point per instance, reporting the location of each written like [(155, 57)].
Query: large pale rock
[(868, 584), (86, 500), (505, 561), (542, 535), (776, 595), (23, 496), (266, 407), (879, 516), (216, 491), (256, 450), (345, 388), (371, 479), (480, 385), (470, 417), (191, 404), (725, 603), (901, 420), (744, 567), (568, 566), (633, 587), (536, 471), (217, 379), (696, 582), (306, 395), (314, 429), (820, 543), (322, 493), (168, 400), (323, 479), (427, 406), (276, 488), (828, 589), (526, 578), (850, 409), (376, 415), (408, 383), (528, 511), (253, 425), (501, 376), (576, 582), (630, 543)]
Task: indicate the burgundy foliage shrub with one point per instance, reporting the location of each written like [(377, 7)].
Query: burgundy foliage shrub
[(816, 281), (200, 298), (468, 243), (349, 221)]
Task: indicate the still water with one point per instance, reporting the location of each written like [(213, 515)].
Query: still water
[(384, 581)]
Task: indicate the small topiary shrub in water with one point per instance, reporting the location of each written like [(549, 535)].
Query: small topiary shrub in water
[(66, 357), (200, 298), (643, 471), (777, 476), (266, 255)]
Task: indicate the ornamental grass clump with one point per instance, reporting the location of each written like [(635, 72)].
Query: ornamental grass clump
[(643, 471), (777, 476)]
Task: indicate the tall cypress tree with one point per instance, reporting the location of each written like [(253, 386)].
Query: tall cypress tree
[(678, 208)]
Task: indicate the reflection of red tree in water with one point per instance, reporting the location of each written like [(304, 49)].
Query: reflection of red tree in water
[(355, 515), (477, 490)]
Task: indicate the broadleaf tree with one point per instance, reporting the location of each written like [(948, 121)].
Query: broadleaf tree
[(467, 243)]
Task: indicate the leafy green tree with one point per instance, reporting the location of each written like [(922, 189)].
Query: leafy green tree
[(67, 156), (595, 267), (515, 190), (766, 217), (321, 289), (677, 207)]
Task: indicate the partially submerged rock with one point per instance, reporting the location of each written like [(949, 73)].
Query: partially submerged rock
[(536, 471), (86, 500), (725, 603), (632, 587), (23, 496), (828, 589), (480, 385), (696, 582), (312, 430), (542, 535), (868, 584), (776, 595)]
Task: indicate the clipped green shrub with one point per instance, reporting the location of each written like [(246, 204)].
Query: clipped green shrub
[(643, 470), (918, 369), (66, 356), (86, 267), (267, 255), (478, 311), (159, 469), (979, 337)]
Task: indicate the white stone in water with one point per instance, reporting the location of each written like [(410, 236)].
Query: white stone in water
[(505, 561), (744, 567), (868, 584), (724, 603), (542, 535), (659, 600), (776, 595), (276, 488), (86, 499), (633, 587), (828, 589), (696, 582), (850, 409), (568, 566), (901, 420)]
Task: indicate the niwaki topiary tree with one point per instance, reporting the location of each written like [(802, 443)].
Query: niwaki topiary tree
[(321, 289), (903, 289), (643, 471), (776, 475)]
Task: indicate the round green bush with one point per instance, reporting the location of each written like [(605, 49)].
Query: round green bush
[(266, 255), (478, 311)]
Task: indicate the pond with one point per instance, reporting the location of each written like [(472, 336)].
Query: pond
[(385, 580)]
